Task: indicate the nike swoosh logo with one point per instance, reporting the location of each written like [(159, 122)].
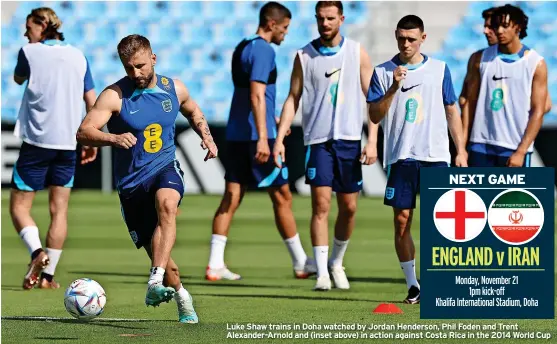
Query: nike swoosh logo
[(132, 112), (500, 78), (328, 75), (360, 182), (409, 88), (173, 183)]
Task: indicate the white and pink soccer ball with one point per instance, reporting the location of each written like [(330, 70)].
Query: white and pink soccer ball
[(85, 299)]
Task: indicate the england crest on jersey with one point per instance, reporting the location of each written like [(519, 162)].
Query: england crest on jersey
[(166, 105)]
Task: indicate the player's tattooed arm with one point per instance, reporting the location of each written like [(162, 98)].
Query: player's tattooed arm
[(472, 90), (191, 111), (90, 131)]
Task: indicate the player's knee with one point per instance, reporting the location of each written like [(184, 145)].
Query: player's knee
[(402, 222), (348, 209), (230, 202), (57, 208), (168, 207), (321, 208), (18, 209), (282, 198)]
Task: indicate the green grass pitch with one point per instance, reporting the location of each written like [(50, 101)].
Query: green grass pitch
[(99, 247)]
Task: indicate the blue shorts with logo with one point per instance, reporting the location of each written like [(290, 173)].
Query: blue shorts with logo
[(403, 182), (335, 163), (139, 205), (37, 168), (477, 159), (242, 168)]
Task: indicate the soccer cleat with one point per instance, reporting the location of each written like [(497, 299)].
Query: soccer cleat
[(186, 313), (323, 284), (157, 294), (221, 274), (44, 284), (413, 297), (309, 269), (35, 267), (339, 277)]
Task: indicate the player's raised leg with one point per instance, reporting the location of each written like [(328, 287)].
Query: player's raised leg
[(346, 219), (286, 225), (166, 204), (20, 211), (59, 197), (216, 269), (321, 204)]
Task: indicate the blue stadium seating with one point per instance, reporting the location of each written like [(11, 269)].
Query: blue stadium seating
[(193, 40)]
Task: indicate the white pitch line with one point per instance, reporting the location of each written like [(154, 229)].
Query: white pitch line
[(76, 320)]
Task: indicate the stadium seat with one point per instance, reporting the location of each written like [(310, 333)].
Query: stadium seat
[(193, 40)]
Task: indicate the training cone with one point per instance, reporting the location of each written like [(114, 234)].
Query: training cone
[(387, 308)]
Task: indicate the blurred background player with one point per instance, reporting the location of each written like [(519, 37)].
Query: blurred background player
[(405, 95), (507, 95), (51, 111), (491, 38), (148, 176), (332, 122), (250, 136)]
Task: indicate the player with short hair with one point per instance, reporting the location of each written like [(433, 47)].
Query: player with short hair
[(250, 136), (413, 97), (501, 141), (331, 75), (505, 80), (51, 111), (140, 111)]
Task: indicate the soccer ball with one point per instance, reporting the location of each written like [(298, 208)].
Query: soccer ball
[(85, 299)]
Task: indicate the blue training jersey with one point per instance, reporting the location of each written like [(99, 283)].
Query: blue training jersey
[(253, 60), (150, 115)]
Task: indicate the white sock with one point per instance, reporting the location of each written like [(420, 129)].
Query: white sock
[(339, 248), (181, 294), (297, 253), (157, 275), (321, 254), (216, 258), (30, 236), (409, 269), (54, 257)]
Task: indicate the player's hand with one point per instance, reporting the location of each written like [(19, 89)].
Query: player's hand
[(125, 140), (210, 145), (369, 154), (88, 154), (399, 74), (263, 151), (279, 154), (461, 160), (516, 160)]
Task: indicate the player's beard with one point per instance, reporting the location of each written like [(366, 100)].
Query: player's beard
[(143, 82), (328, 37)]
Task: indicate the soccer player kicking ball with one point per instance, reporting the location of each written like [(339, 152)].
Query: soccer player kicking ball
[(140, 111), (413, 97), (506, 95)]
